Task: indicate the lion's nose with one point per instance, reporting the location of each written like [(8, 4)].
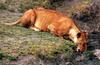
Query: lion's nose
[(79, 50)]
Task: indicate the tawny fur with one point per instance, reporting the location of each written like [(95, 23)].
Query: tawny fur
[(40, 19)]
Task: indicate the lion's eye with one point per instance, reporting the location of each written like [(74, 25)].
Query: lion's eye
[(84, 45), (78, 35)]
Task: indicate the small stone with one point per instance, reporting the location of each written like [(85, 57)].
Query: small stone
[(68, 63), (80, 58), (97, 53)]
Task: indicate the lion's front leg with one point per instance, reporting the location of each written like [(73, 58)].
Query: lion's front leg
[(34, 28)]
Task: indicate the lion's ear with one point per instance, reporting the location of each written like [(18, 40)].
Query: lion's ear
[(78, 35), (87, 34)]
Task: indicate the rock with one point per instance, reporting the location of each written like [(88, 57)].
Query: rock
[(68, 63), (97, 53), (80, 58)]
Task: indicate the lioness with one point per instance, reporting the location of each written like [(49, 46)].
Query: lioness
[(41, 19)]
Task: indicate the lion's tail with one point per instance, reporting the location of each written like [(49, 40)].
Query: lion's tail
[(14, 23)]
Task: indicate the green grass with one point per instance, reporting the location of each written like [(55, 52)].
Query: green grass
[(19, 41), (30, 4), (6, 56), (1, 55), (3, 6)]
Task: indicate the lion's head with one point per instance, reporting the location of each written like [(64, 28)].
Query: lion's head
[(81, 41)]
